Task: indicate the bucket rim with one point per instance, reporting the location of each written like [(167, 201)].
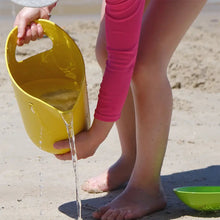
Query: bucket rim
[(29, 95)]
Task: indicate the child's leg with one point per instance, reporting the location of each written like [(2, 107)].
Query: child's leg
[(164, 24), (119, 172)]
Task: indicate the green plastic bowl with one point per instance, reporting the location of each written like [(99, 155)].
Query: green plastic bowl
[(201, 198)]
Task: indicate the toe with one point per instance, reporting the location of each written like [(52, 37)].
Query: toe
[(100, 212), (91, 187), (121, 215), (133, 214), (107, 215), (110, 214), (113, 214), (128, 214), (86, 186)]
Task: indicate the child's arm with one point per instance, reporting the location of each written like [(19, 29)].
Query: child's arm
[(87, 141), (123, 19)]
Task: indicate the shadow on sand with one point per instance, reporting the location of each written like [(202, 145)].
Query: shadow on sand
[(209, 176)]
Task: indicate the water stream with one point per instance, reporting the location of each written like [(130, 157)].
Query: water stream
[(68, 120), (61, 94)]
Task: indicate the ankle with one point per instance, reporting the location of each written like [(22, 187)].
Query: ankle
[(152, 189)]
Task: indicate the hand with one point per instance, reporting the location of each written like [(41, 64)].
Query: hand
[(84, 147), (87, 141), (27, 28)]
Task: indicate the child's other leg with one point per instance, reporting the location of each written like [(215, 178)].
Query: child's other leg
[(119, 173), (164, 24)]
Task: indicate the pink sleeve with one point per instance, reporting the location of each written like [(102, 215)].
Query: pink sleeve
[(123, 20)]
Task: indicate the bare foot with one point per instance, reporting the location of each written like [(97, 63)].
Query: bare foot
[(132, 204), (117, 175)]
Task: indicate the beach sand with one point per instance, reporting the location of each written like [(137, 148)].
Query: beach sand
[(35, 185)]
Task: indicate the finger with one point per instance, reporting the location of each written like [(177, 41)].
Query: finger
[(40, 31), (27, 38), (22, 24), (20, 42), (21, 30), (64, 144), (34, 31), (66, 156)]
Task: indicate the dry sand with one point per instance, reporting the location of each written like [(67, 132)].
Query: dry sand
[(35, 185)]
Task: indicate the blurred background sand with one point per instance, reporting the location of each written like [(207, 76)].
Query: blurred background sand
[(35, 185)]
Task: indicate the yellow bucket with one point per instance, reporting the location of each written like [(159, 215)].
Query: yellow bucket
[(43, 122)]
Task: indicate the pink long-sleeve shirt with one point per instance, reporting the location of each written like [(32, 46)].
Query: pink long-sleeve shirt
[(123, 20)]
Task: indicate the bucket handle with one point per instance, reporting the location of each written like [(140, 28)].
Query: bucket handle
[(54, 32)]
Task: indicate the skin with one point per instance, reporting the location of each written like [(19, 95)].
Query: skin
[(145, 121)]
